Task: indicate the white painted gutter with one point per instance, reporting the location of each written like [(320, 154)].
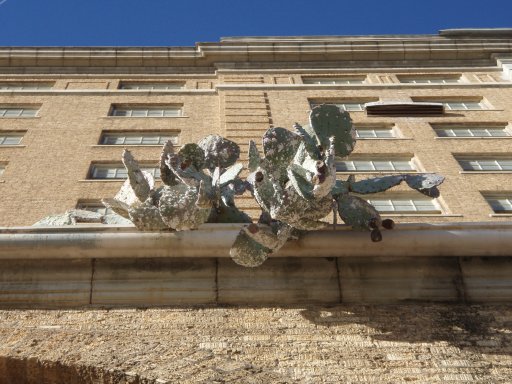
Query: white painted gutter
[(214, 240)]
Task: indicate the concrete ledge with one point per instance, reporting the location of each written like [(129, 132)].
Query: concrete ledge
[(108, 266), (160, 282)]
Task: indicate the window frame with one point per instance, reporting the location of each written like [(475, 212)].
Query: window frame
[(434, 79), (24, 112), (413, 202), (26, 86), (144, 111), (151, 86), (392, 129), (504, 128), (496, 196), (342, 104), (4, 135), (371, 162), (162, 135), (465, 161), (118, 169), (335, 80)]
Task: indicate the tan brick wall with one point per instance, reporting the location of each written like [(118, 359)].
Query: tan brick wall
[(46, 175), (314, 344)]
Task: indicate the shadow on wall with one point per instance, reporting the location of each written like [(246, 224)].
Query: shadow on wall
[(474, 327), (32, 371)]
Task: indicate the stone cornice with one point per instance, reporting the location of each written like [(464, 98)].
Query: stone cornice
[(444, 50)]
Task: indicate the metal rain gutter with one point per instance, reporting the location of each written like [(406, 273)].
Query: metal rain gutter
[(215, 240)]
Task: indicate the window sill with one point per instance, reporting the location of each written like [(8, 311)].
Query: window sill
[(129, 145), (105, 180), (145, 117), (421, 215), (385, 138), (473, 138), (12, 146), (101, 180), (379, 172), (485, 172), (20, 117), (500, 215), (2, 181)]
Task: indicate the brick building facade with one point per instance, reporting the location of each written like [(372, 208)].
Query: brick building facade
[(63, 110)]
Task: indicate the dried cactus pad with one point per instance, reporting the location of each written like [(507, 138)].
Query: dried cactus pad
[(329, 121), (357, 212), (425, 181), (247, 252), (191, 154), (219, 152), (280, 146)]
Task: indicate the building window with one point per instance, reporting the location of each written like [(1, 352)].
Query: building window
[(463, 105), (376, 165), (472, 131), (7, 138), (334, 80), (117, 171), (476, 131), (401, 205), (377, 132), (137, 138), (18, 112), (349, 106), (94, 206), (499, 202), (152, 86), (25, 86), (429, 79), (485, 164), (170, 111)]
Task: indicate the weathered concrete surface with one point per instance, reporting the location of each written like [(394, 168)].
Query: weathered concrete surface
[(156, 282), (337, 344)]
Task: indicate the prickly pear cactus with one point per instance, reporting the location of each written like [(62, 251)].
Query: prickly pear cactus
[(295, 185), (200, 182), (293, 181)]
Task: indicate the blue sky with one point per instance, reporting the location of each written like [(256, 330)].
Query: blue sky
[(182, 23)]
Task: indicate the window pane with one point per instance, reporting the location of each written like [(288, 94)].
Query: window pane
[(473, 105), (172, 112), (384, 133), (383, 165), (462, 133), (489, 165), (29, 112), (345, 166), (120, 112), (155, 113), (139, 113), (382, 205), (506, 165), (366, 133), (403, 165), (113, 140), (132, 140), (363, 165), (497, 132), (10, 140), (444, 132), (12, 112), (151, 140), (455, 106)]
